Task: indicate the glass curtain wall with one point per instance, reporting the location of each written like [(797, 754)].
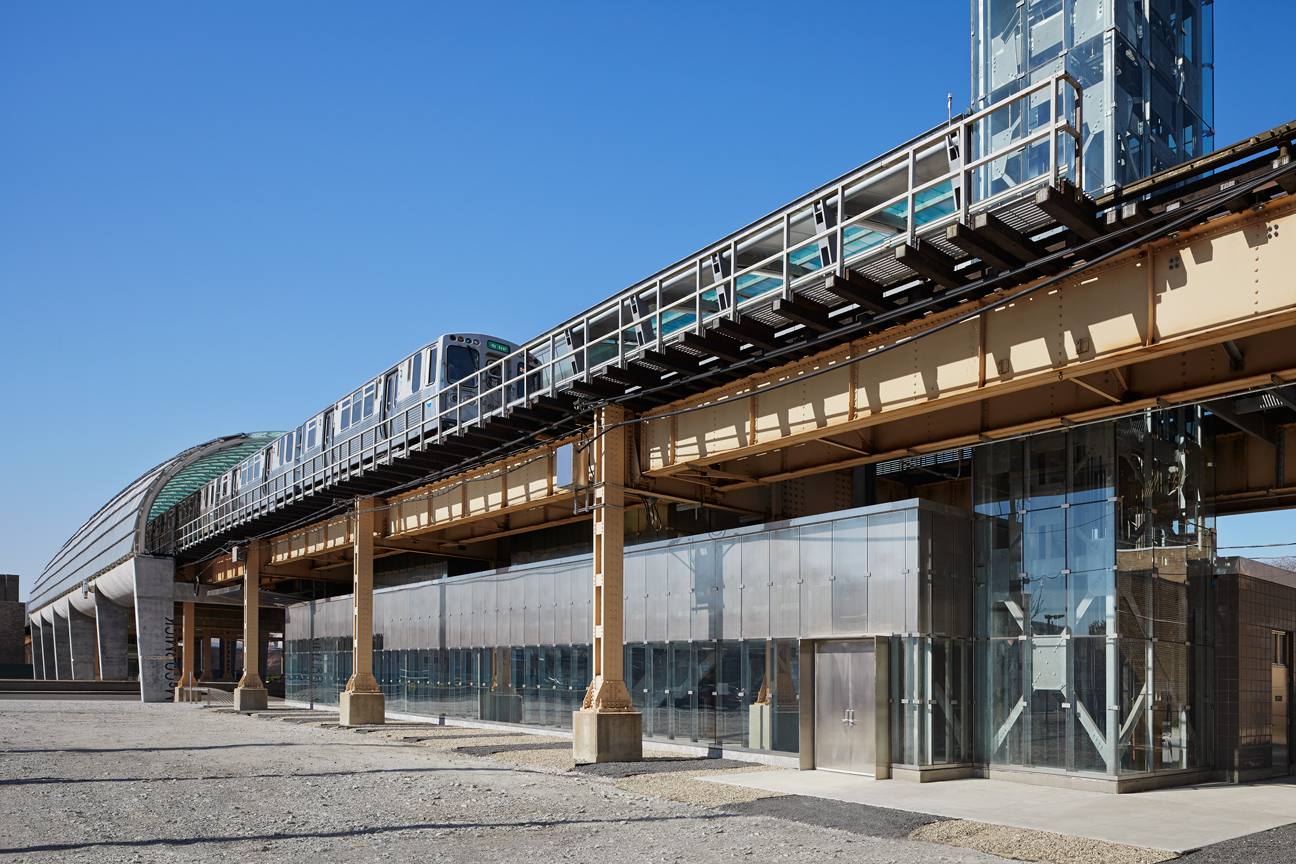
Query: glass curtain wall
[(1093, 548), (1146, 67), (730, 692)]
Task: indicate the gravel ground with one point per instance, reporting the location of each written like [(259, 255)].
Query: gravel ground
[(843, 815), (1036, 845), (660, 765), (1277, 846), (119, 781)]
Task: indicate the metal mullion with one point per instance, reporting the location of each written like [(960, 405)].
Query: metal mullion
[(697, 295), (584, 349), (620, 330), (909, 198), (657, 309), (965, 175), (787, 254), (1053, 118), (839, 265)]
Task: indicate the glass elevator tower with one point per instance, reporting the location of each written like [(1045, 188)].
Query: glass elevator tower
[(1146, 67)]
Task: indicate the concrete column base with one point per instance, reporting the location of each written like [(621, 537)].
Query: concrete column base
[(614, 736), (188, 694), (362, 709), (250, 699)]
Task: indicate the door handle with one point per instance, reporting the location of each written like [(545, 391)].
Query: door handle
[(849, 718)]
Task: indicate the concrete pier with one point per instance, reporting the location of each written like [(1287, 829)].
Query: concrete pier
[(111, 625), (81, 640)]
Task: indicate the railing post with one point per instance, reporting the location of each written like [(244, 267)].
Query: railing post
[(363, 702), (250, 694), (607, 728)]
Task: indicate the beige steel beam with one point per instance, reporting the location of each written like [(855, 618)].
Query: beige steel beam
[(607, 728), (250, 694), (515, 485), (1138, 331), (1232, 279), (362, 702)]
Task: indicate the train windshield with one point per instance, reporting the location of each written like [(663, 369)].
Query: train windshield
[(461, 361)]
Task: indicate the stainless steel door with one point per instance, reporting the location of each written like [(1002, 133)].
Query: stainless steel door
[(1281, 701), (845, 701)]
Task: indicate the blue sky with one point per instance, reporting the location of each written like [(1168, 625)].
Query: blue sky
[(219, 217)]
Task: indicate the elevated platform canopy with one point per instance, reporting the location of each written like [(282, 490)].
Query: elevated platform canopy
[(116, 532)]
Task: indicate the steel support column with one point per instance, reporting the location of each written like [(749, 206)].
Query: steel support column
[(250, 694), (607, 728), (205, 654), (184, 689), (362, 702)]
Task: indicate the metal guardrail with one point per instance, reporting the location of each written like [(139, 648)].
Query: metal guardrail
[(208, 697), (990, 161)]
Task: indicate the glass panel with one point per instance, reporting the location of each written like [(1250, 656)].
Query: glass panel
[(1092, 721), (730, 701), (1005, 701), (659, 703), (1048, 719), (1136, 722), (707, 692), (764, 279)]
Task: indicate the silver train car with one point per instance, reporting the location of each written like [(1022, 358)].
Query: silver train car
[(347, 438)]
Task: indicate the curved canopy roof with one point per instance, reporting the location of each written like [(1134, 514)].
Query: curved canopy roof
[(198, 474), (115, 532)]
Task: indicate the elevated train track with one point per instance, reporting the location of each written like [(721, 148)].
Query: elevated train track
[(1038, 310)]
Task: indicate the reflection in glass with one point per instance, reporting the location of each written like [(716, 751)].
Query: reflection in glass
[(1100, 538)]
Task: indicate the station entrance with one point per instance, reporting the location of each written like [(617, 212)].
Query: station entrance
[(845, 707)]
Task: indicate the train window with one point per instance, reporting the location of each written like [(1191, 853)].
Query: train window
[(357, 402), (344, 414), (298, 440), (432, 367), (369, 400), (461, 361), (416, 373), (310, 435)]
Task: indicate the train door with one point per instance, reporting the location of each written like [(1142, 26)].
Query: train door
[(328, 437), (845, 707), (299, 439), (390, 382)]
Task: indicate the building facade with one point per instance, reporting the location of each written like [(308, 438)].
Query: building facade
[(1062, 627)]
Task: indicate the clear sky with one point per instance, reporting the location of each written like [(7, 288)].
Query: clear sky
[(217, 218)]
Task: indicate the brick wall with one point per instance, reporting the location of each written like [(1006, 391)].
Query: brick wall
[(1251, 604)]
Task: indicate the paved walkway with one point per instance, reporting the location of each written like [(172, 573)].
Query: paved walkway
[(1175, 820)]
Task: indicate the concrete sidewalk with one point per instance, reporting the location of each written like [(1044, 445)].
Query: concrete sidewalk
[(1175, 820)]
